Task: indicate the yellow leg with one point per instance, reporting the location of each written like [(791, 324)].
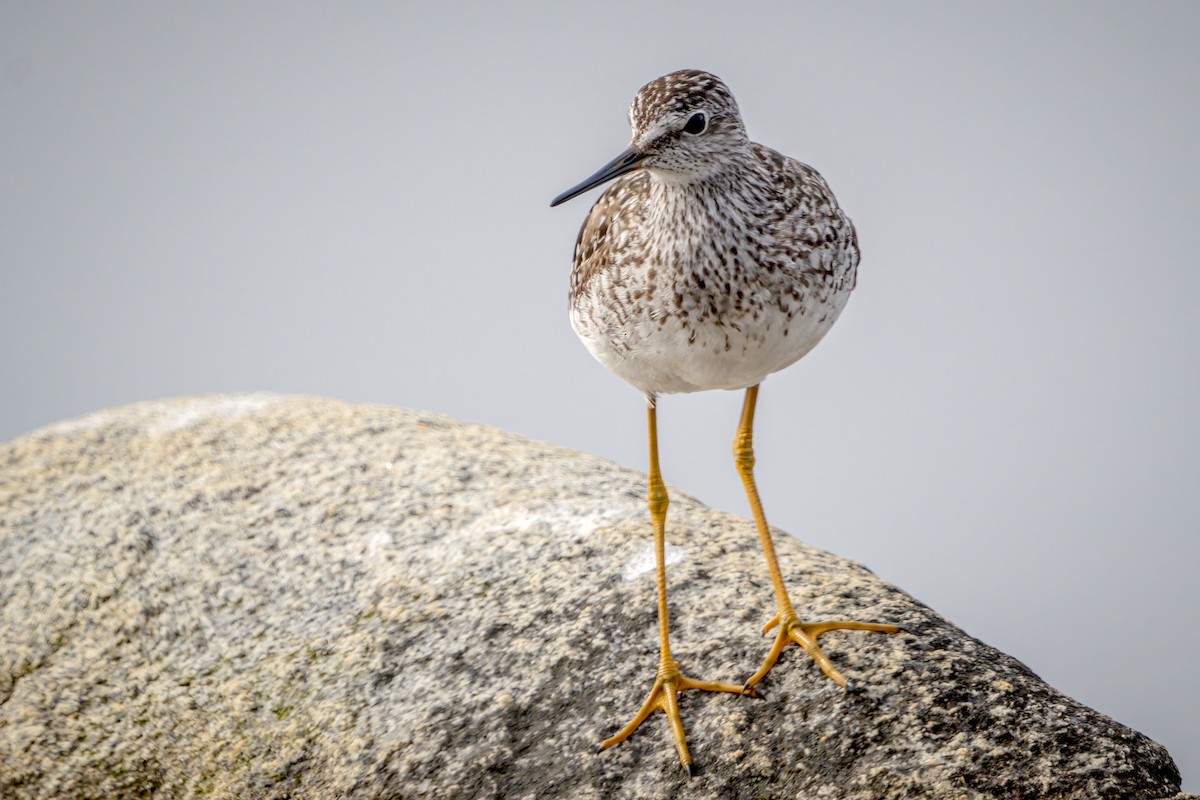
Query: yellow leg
[(669, 682), (791, 629)]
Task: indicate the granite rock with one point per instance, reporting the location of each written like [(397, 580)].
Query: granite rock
[(271, 597)]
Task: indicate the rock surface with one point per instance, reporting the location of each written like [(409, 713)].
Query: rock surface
[(270, 597)]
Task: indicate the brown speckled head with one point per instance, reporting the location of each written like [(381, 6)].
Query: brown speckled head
[(687, 124), (686, 128), (677, 95)]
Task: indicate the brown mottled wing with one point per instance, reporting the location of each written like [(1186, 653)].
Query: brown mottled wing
[(603, 236), (812, 233)]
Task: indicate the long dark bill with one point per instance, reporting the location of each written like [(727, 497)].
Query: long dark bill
[(629, 160)]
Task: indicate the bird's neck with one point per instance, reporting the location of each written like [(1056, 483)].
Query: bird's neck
[(724, 198), (699, 226)]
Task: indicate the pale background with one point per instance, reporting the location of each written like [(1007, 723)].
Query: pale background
[(351, 200)]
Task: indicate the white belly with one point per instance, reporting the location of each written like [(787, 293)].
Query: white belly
[(664, 357)]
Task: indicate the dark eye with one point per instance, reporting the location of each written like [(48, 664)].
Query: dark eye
[(696, 124)]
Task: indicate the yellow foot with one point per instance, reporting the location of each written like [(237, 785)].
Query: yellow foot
[(667, 686), (805, 634)]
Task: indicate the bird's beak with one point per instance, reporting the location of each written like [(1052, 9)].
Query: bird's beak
[(629, 160)]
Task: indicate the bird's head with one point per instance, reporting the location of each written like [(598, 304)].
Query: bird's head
[(686, 127)]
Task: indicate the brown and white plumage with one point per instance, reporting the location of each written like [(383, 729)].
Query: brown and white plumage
[(717, 261)]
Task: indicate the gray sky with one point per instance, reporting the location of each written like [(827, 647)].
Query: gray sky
[(351, 200)]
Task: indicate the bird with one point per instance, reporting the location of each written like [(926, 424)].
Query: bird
[(710, 263)]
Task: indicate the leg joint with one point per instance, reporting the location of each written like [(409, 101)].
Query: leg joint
[(743, 450), (656, 497)]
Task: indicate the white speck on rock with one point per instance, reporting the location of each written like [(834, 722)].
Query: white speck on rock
[(167, 416), (570, 521), (226, 407), (377, 541), (643, 560)]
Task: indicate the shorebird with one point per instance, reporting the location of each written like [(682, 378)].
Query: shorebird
[(711, 263)]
